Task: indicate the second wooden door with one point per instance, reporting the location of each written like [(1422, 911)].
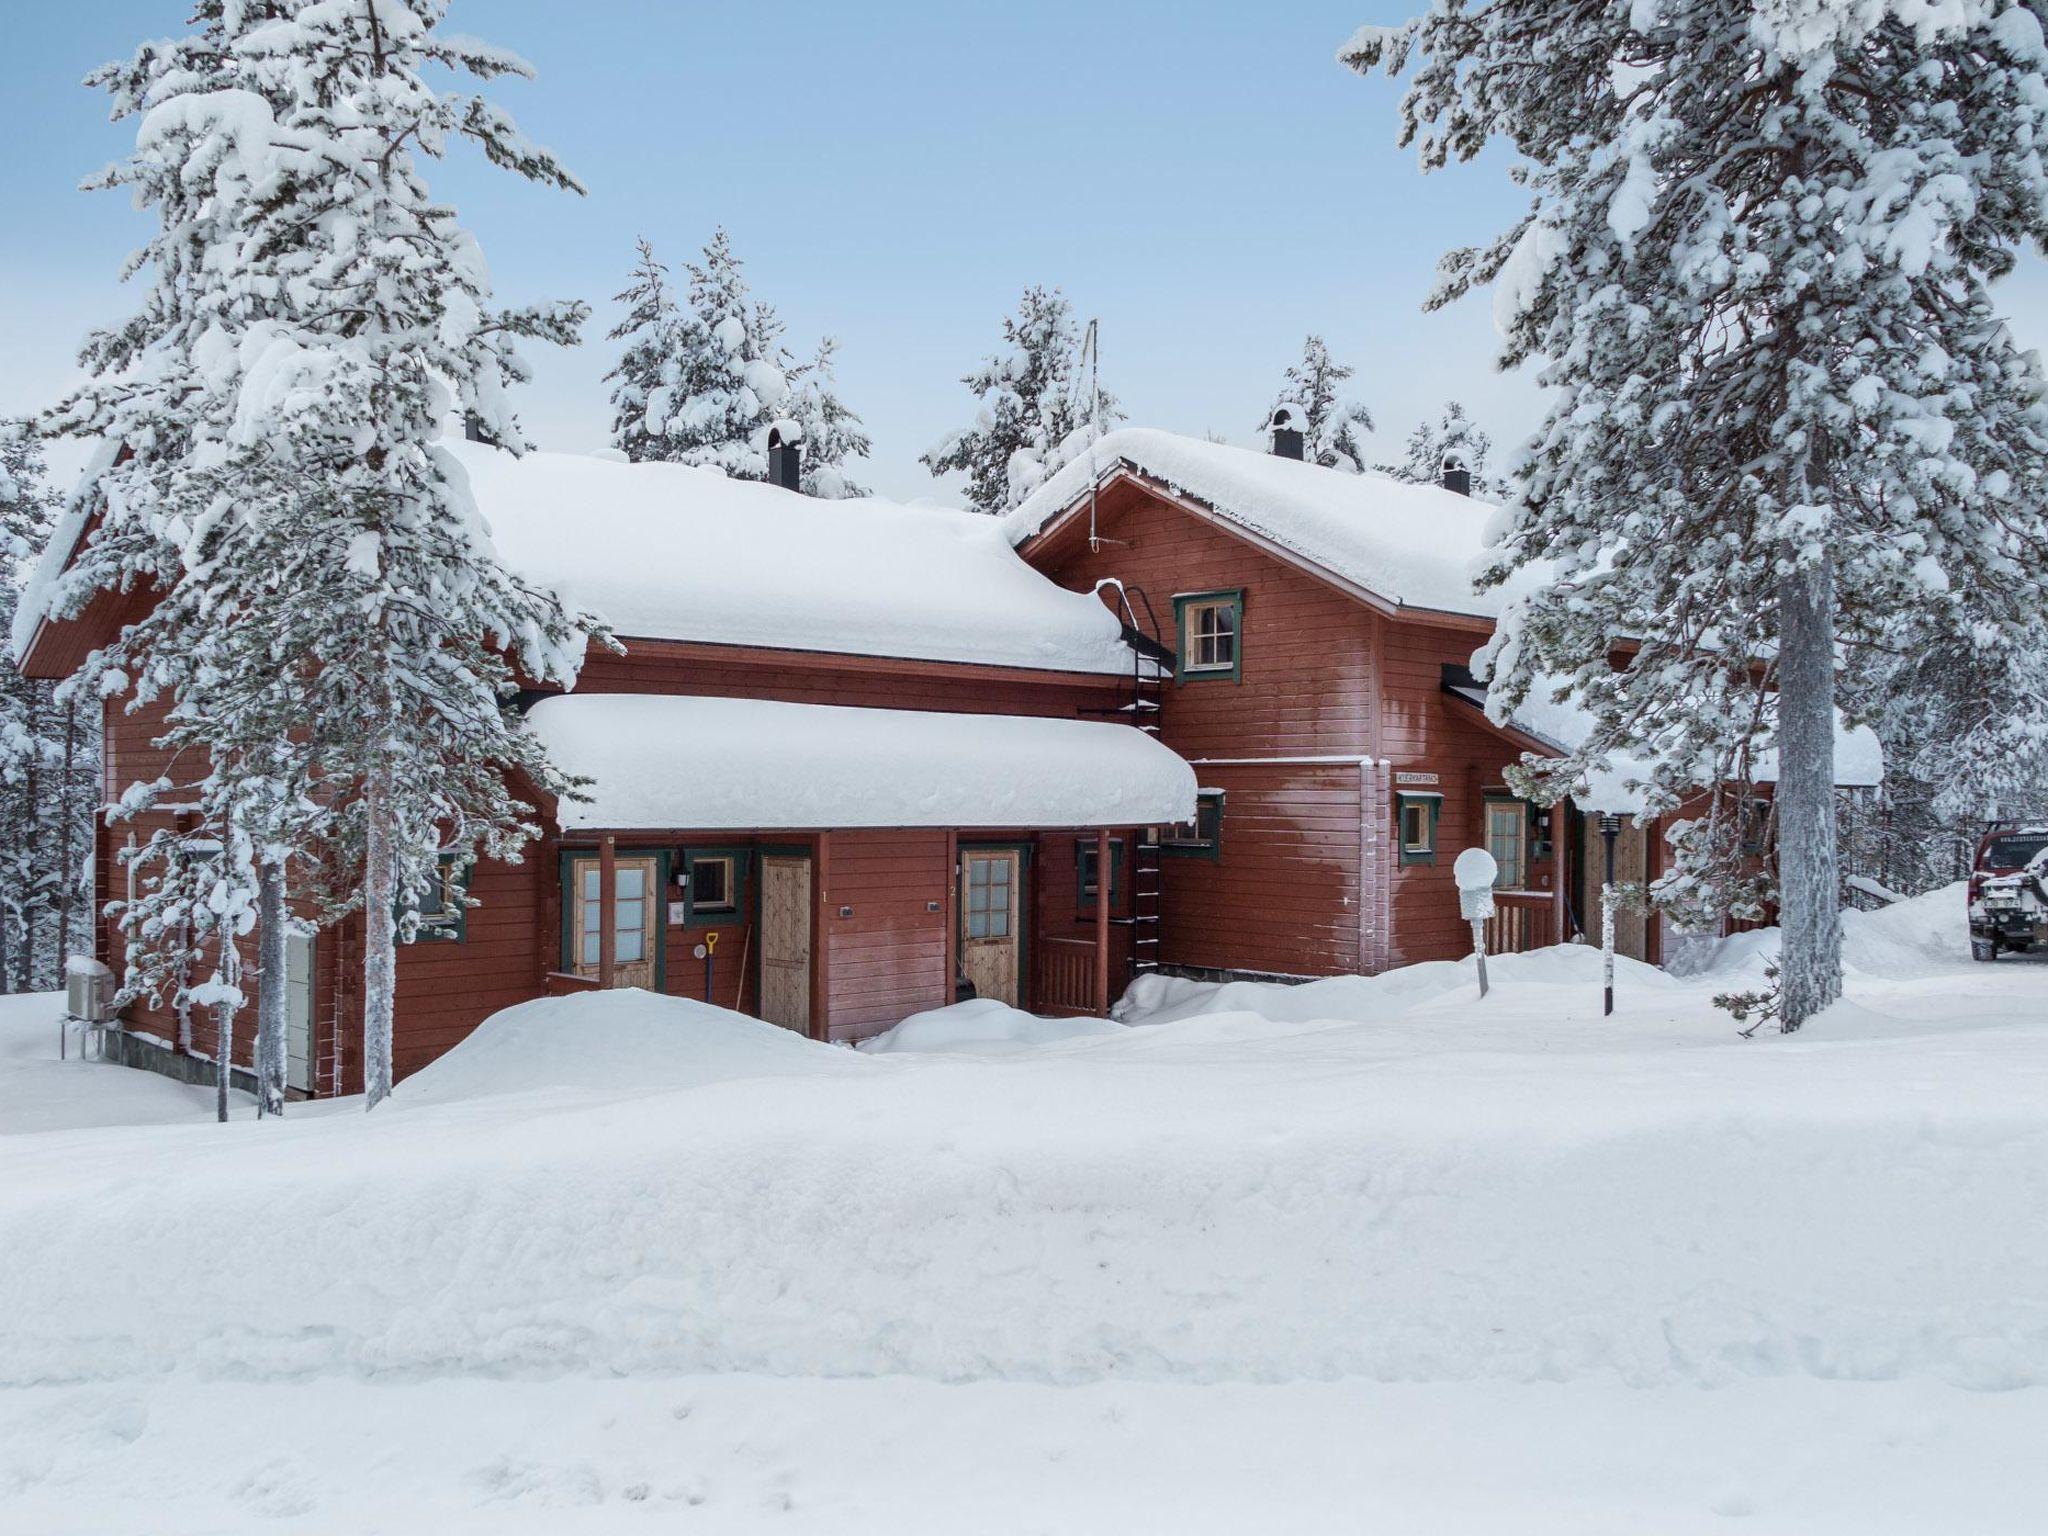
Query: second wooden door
[(786, 941), (990, 913)]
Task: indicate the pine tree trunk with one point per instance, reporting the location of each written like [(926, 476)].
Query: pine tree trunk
[(32, 809), (380, 946), (1810, 967), (68, 889), (271, 990)]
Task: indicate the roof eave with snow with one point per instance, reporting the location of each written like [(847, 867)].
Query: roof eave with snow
[(678, 762)]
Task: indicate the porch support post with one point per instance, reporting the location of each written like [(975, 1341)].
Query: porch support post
[(1560, 867), (821, 937), (608, 912), (1103, 886)]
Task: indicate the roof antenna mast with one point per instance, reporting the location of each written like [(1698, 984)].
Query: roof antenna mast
[(1091, 354)]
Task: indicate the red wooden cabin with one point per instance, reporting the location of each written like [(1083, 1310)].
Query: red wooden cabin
[(859, 758)]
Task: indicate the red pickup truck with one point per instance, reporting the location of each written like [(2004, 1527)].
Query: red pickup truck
[(2008, 902)]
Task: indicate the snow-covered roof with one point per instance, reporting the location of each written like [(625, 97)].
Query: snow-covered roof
[(1566, 725), (667, 552), (666, 761), (1414, 545)]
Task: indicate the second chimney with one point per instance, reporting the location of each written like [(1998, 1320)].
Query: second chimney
[(1456, 477), (1284, 431), (786, 455)]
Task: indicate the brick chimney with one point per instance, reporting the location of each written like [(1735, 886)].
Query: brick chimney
[(1284, 431), (786, 455), (1456, 477)]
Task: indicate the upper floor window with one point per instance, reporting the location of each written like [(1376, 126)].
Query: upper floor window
[(1211, 626)]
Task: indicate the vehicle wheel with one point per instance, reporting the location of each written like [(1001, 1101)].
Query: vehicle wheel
[(1983, 949)]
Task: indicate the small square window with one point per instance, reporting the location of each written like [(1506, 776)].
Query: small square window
[(1211, 628), (714, 882), (1415, 818), (443, 906), (711, 885), (1202, 836), (1085, 861)]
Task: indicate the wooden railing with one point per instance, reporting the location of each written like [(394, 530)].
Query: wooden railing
[(1522, 920), (1066, 976), (563, 983)]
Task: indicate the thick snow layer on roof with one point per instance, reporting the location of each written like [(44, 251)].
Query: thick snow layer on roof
[(1412, 544), (669, 552), (1859, 759), (663, 761)]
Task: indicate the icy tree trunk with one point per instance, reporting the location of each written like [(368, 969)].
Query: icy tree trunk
[(1810, 968), (31, 794), (67, 891), (270, 994), (380, 946)]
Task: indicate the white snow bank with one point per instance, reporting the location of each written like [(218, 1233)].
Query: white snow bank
[(1161, 999), (1915, 939), (1412, 544), (984, 1026), (671, 552), (625, 1041), (674, 761), (1435, 1189)]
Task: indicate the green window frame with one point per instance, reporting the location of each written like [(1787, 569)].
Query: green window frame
[(1201, 838), (739, 864), (443, 908), (1086, 876), (1205, 625), (1415, 822)]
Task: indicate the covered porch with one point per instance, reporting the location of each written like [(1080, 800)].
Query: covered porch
[(834, 869)]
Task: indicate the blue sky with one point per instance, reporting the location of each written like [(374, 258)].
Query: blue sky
[(1200, 175)]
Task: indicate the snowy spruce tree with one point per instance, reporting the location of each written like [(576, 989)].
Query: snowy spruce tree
[(703, 380), (49, 759), (649, 368), (314, 319), (833, 435), (1037, 408), (1453, 440), (1791, 430), (1335, 424)]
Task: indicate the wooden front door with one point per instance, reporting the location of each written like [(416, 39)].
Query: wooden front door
[(1631, 867), (990, 911), (298, 1011), (1507, 839), (637, 918), (786, 941)]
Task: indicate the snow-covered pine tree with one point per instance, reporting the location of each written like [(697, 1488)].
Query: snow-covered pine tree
[(318, 554), (1335, 424), (1452, 440), (1790, 427), (648, 370), (49, 758), (1035, 407), (733, 373), (833, 435)]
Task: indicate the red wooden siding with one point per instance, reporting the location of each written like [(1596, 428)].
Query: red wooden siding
[(889, 955), (446, 988), (1282, 896)]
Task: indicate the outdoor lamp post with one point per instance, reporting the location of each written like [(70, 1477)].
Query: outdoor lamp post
[(1610, 829)]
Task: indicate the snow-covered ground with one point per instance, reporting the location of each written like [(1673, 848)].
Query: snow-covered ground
[(1365, 1254)]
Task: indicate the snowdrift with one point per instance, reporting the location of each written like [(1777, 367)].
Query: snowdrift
[(622, 1042), (982, 1026), (1434, 1189)]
